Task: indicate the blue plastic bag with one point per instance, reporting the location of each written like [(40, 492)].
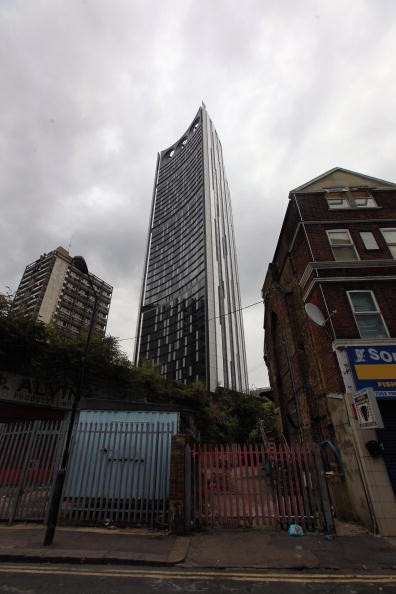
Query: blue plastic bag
[(295, 530)]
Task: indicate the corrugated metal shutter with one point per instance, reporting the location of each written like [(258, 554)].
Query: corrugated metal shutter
[(119, 468), (128, 416)]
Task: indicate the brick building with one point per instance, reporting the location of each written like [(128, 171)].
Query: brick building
[(330, 337)]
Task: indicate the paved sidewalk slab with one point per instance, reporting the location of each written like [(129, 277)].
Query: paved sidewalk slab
[(251, 548), (79, 545), (278, 550), (254, 548)]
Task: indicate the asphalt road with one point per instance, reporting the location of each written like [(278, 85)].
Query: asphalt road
[(94, 579)]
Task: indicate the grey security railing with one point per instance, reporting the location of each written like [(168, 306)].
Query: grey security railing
[(28, 459), (119, 473)]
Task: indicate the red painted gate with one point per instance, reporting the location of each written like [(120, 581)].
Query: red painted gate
[(247, 486)]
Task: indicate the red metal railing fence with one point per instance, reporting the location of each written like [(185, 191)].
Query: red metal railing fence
[(247, 486)]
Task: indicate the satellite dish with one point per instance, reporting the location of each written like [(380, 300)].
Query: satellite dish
[(314, 314)]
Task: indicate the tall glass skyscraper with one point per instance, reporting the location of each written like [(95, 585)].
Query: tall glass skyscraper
[(190, 320)]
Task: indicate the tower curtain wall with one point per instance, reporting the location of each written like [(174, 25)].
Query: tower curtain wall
[(190, 323)]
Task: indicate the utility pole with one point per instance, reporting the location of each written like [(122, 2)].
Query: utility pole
[(56, 497)]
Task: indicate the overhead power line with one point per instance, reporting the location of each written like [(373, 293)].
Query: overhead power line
[(215, 318)]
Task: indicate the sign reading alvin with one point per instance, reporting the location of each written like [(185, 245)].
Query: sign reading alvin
[(27, 390), (374, 367)]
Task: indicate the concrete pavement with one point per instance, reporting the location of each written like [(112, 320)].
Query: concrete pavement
[(24, 542), (255, 548), (277, 550)]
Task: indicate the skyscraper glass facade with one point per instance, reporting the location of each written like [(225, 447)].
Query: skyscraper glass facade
[(190, 323)]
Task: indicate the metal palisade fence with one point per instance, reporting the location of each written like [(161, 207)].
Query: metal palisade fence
[(29, 453), (119, 474), (248, 486)]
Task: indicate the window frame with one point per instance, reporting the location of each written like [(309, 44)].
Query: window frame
[(348, 198), (377, 312), (351, 244), (364, 235), (343, 197), (388, 245)]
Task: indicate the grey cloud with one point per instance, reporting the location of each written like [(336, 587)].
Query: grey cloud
[(91, 90)]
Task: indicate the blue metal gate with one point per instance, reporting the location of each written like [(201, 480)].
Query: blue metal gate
[(119, 469)]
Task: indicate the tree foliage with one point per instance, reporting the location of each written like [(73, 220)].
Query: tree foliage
[(30, 348)]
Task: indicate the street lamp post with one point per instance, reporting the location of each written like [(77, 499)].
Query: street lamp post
[(56, 497)]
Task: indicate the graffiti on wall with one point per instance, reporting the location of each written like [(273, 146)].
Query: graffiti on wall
[(27, 390)]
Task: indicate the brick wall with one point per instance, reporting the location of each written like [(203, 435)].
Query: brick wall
[(180, 479), (304, 370)]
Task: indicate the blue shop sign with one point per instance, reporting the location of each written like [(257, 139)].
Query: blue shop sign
[(374, 367)]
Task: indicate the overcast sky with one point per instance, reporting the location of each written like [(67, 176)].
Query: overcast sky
[(91, 90)]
